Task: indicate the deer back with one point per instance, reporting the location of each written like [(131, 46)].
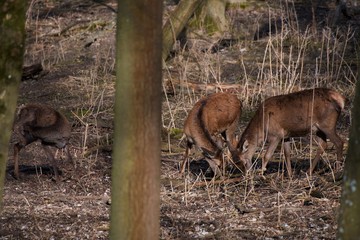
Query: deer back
[(36, 121), (211, 116), (292, 115)]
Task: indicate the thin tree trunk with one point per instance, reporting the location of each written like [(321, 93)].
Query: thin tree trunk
[(176, 23), (349, 216), (12, 38), (135, 207)]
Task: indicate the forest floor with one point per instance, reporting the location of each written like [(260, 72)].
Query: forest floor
[(75, 42)]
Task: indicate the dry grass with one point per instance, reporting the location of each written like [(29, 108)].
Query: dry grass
[(80, 82), (297, 208)]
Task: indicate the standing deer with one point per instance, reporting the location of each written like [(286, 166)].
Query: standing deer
[(40, 122), (211, 116), (294, 115)]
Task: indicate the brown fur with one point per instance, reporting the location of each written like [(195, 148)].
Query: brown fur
[(211, 116), (40, 122), (294, 115)]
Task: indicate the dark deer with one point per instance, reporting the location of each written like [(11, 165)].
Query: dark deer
[(40, 122), (212, 116), (294, 115)]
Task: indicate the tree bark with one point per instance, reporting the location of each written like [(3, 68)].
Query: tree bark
[(12, 32), (176, 23), (135, 207), (213, 17), (349, 217)]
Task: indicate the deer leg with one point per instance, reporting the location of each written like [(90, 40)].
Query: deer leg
[(50, 156), (339, 145), (287, 150), (218, 158), (17, 148), (320, 138), (217, 163), (231, 143), (23, 139), (186, 155), (273, 143), (68, 155), (230, 136)]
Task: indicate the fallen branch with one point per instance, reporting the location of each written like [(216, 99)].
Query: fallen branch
[(173, 182), (172, 85)]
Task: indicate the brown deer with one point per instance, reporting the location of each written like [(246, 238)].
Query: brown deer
[(212, 116), (40, 122), (294, 115)]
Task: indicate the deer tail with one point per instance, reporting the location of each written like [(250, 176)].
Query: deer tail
[(338, 99)]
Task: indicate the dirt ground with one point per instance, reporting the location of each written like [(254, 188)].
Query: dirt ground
[(75, 42)]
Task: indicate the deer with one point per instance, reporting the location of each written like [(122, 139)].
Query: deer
[(40, 122), (212, 120), (283, 117)]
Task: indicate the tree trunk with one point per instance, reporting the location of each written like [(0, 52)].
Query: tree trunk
[(213, 17), (176, 23), (205, 15), (349, 217), (12, 32), (135, 206)]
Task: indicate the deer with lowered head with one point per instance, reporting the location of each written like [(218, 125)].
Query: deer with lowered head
[(212, 116), (294, 115), (40, 122)]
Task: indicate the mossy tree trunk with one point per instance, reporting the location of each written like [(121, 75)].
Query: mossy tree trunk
[(208, 15), (212, 17), (12, 38), (176, 23), (349, 216), (135, 207)]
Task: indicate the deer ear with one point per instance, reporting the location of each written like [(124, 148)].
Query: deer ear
[(245, 146)]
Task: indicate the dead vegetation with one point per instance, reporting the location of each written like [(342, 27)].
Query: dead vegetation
[(74, 40)]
